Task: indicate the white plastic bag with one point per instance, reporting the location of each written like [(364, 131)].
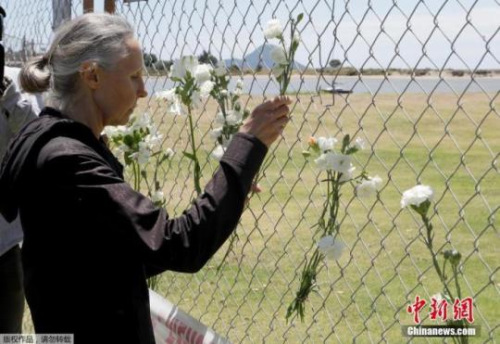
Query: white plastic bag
[(171, 325)]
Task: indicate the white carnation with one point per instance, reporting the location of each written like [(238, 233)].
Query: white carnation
[(168, 95), (359, 143), (169, 153), (296, 37), (220, 70), (278, 55), (274, 29), (218, 152), (158, 197), (234, 117), (346, 176), (216, 133), (369, 187), (416, 195), (206, 88), (333, 161), (182, 66), (203, 72), (330, 247), (326, 143)]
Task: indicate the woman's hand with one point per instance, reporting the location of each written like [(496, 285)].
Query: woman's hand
[(267, 121)]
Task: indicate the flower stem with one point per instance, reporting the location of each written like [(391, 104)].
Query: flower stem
[(197, 169), (428, 242)]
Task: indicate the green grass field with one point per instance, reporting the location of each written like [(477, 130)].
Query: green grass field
[(447, 142)]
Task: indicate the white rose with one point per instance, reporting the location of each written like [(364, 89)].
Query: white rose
[(330, 247), (203, 72), (416, 195), (369, 187), (278, 55), (274, 29)]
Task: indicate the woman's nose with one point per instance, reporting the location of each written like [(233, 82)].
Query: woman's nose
[(141, 91)]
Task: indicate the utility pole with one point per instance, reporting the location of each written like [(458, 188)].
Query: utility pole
[(109, 6)]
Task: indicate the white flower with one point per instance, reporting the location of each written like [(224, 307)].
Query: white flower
[(416, 195), (175, 108), (369, 187), (158, 197), (206, 88), (223, 93), (234, 117), (278, 55), (115, 131), (220, 70), (239, 83), (346, 176), (278, 70), (438, 297), (359, 143), (173, 101), (169, 153), (333, 161), (168, 95), (196, 99), (143, 154), (142, 122), (219, 118), (274, 29), (182, 66), (296, 37), (216, 133), (203, 72), (326, 143), (330, 247), (218, 152)]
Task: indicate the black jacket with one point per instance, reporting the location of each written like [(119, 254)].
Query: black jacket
[(90, 240)]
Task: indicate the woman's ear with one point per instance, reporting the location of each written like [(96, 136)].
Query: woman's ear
[(89, 72)]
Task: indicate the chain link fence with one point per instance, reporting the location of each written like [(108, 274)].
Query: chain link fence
[(421, 86)]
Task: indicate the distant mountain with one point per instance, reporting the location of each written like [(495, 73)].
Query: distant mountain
[(262, 56)]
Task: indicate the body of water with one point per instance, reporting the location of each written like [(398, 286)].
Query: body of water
[(261, 84)]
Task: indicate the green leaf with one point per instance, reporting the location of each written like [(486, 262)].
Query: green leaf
[(189, 155), (299, 18), (345, 143), (351, 150)]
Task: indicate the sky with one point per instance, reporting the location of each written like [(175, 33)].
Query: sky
[(461, 34)]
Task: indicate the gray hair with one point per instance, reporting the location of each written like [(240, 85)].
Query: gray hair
[(95, 37)]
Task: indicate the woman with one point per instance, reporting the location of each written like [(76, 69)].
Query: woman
[(90, 239)]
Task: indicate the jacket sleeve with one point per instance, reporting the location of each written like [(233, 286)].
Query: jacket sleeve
[(20, 110), (184, 243)]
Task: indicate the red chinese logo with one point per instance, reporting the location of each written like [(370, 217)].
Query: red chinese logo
[(462, 309)]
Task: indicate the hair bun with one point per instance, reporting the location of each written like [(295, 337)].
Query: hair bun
[(35, 76)]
